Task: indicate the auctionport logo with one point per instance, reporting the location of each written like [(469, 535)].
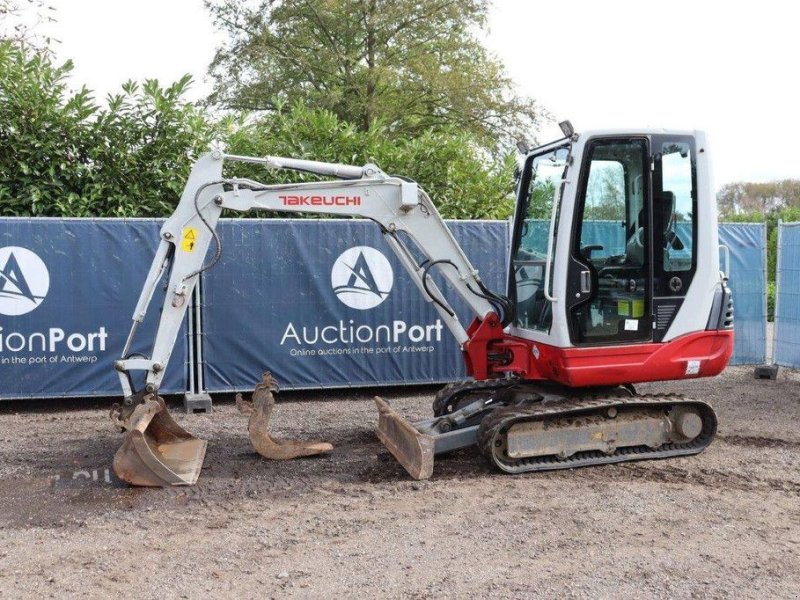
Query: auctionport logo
[(24, 281), (362, 277)]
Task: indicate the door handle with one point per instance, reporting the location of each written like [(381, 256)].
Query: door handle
[(727, 252), (586, 282)]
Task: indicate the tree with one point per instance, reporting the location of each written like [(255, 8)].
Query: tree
[(408, 66), (19, 20), (73, 157), (745, 197), (605, 193)]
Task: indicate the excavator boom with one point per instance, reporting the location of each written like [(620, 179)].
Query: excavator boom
[(157, 451)]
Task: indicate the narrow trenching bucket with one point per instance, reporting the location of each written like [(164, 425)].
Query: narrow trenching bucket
[(412, 449), (158, 452), (260, 411)]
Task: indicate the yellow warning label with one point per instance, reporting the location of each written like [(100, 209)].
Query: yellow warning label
[(189, 239), (631, 308)]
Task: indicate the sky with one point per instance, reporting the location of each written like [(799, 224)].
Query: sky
[(729, 68)]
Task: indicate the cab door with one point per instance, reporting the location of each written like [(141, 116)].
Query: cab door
[(542, 177), (610, 276)]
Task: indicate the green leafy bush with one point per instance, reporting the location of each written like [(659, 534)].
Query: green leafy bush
[(68, 156)]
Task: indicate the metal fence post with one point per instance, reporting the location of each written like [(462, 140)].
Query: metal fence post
[(770, 369), (765, 258), (778, 271)]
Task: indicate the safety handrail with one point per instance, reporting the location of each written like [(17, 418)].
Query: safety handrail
[(727, 252)]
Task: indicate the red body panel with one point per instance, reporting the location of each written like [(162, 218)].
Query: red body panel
[(490, 353)]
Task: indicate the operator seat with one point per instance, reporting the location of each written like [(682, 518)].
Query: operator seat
[(663, 209)]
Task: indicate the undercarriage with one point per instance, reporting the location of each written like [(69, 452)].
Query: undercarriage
[(523, 426)]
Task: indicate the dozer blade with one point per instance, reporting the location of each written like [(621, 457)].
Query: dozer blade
[(260, 411), (157, 452), (412, 449)]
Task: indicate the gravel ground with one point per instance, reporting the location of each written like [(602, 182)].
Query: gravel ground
[(725, 523)]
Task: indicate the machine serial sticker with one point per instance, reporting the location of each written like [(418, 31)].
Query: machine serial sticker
[(631, 325), (189, 239)]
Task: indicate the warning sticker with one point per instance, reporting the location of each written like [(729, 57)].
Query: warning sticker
[(189, 239)]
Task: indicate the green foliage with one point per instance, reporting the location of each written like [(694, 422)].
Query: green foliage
[(69, 157), (753, 217), (605, 195), (41, 128), (404, 66), (770, 301), (542, 194), (145, 143)]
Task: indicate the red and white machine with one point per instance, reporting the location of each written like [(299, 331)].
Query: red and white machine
[(614, 279)]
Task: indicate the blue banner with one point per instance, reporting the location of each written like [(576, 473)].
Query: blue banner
[(326, 304), (67, 292), (746, 243), (787, 297), (320, 303)]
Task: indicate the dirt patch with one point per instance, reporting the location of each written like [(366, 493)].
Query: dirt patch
[(725, 523)]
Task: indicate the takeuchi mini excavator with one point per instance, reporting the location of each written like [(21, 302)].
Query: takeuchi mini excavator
[(553, 361)]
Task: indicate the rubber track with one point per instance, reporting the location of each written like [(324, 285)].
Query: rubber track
[(447, 398), (501, 419)]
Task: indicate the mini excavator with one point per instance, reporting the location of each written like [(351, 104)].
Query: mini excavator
[(552, 362)]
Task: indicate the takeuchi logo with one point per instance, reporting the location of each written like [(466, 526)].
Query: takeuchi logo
[(362, 277), (24, 281)]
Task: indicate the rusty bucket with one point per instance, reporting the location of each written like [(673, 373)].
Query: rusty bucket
[(260, 411), (157, 452)]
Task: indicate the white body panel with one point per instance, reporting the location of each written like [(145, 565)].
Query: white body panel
[(693, 315)]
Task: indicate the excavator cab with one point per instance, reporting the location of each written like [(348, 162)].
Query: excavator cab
[(630, 252)]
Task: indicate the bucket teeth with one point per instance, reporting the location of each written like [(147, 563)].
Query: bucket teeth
[(260, 411), (157, 452)]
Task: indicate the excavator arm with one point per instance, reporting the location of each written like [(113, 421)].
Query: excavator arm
[(158, 451)]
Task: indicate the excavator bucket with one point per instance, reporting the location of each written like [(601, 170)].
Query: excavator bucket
[(412, 449), (157, 452), (260, 411)]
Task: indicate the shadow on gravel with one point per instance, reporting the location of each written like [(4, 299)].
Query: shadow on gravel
[(175, 401)]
